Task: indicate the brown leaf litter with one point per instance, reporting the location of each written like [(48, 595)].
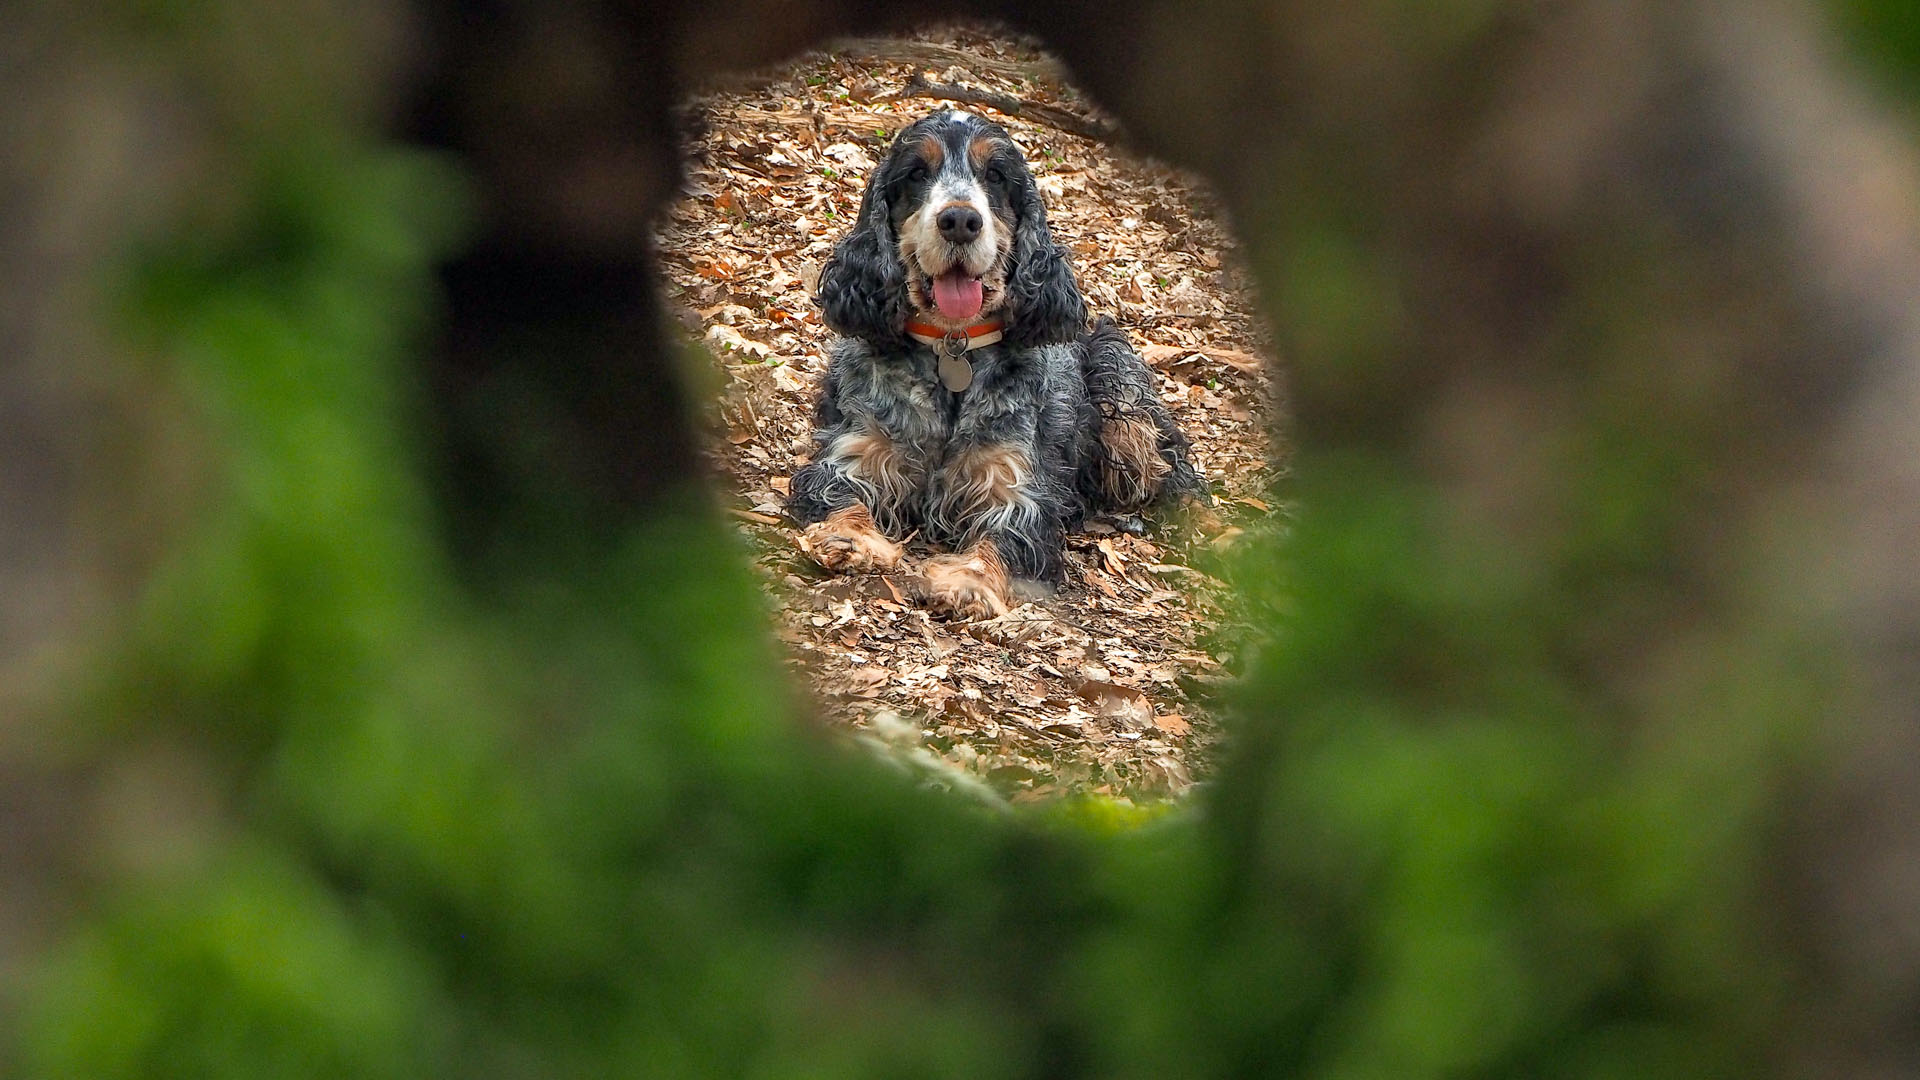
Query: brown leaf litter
[(1103, 686)]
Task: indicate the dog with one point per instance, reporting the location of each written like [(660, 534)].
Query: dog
[(966, 396)]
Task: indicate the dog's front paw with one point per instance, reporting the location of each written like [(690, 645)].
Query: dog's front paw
[(970, 586), (848, 541)]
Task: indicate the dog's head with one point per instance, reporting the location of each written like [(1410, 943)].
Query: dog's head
[(951, 232)]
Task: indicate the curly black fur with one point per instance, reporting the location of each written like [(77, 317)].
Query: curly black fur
[(863, 287), (1044, 305), (1037, 398), (1120, 387)]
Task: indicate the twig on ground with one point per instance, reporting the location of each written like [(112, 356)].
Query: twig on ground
[(928, 54), (1072, 123)]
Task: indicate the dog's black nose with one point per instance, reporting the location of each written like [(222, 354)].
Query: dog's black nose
[(959, 224)]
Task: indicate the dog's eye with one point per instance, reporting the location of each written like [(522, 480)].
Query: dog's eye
[(995, 176), (918, 173)]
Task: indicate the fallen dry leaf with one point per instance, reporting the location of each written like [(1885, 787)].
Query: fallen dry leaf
[(1234, 358), (1121, 703), (1167, 774)]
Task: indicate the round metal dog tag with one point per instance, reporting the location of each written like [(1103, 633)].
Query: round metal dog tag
[(956, 374)]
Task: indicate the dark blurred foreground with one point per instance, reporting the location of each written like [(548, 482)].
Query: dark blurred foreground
[(378, 695)]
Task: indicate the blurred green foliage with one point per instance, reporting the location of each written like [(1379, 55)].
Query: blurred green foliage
[(574, 827), (1886, 33)]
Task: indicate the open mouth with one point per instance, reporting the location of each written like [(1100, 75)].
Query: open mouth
[(957, 295)]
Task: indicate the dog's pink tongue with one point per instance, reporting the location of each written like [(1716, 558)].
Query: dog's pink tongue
[(957, 296)]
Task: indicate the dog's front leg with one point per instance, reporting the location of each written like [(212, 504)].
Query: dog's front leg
[(848, 540), (970, 585), (862, 482), (985, 501)]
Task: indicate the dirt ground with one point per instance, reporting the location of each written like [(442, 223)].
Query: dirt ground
[(1103, 687)]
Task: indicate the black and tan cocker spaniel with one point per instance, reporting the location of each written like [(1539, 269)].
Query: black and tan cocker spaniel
[(966, 396)]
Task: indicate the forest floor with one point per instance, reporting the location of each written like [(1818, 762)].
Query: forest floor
[(1105, 686)]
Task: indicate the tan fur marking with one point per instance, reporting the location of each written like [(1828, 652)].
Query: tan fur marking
[(980, 150), (876, 459), (970, 585), (934, 153), (989, 475), (848, 540), (1131, 468), (982, 490)]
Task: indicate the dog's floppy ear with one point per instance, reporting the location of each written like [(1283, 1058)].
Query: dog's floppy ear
[(863, 288), (1044, 305)]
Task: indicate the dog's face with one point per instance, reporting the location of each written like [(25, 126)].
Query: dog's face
[(950, 182), (952, 232)]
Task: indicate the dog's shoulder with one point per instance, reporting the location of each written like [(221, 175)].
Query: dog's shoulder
[(1042, 362), (857, 368), (862, 360)]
